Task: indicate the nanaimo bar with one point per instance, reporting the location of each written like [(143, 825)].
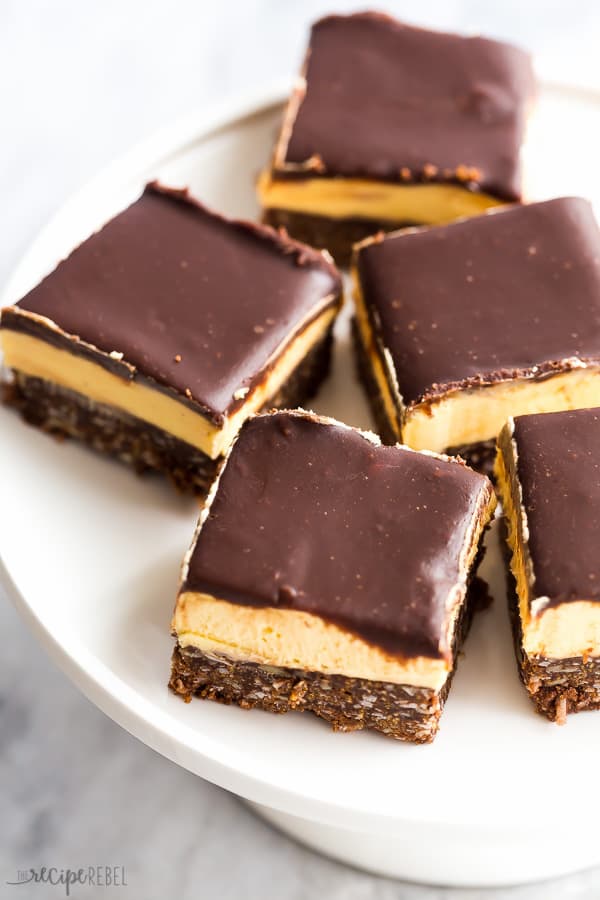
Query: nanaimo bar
[(460, 326), (159, 335), (548, 475), (333, 574), (392, 125)]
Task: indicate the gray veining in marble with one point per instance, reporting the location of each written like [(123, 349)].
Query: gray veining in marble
[(80, 82)]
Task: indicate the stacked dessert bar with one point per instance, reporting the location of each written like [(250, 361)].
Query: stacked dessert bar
[(458, 327), (391, 125), (333, 574), (157, 337), (548, 473)]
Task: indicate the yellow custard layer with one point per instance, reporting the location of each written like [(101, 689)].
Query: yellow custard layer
[(361, 198), (40, 359), (556, 632), (475, 414), (285, 638)]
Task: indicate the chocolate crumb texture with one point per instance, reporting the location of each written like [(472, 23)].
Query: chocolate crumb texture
[(64, 413)]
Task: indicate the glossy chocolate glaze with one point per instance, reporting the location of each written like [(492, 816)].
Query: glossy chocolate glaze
[(313, 516), (386, 100), (510, 293), (197, 303), (558, 467)]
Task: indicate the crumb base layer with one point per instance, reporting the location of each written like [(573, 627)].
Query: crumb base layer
[(64, 413), (403, 712), (335, 235), (480, 456), (348, 704), (557, 687)]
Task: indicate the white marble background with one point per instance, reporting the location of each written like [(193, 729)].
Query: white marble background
[(80, 82)]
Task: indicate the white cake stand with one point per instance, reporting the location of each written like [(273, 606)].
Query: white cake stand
[(90, 555)]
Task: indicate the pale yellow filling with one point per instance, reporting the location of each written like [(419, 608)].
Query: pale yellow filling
[(347, 198), (39, 359), (516, 525), (556, 632), (571, 629), (284, 638), (476, 414), (382, 370)]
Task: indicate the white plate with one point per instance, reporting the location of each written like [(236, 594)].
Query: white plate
[(91, 557)]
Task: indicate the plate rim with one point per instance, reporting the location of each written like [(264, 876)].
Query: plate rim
[(122, 703)]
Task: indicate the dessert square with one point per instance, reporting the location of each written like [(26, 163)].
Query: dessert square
[(460, 326), (548, 474), (159, 335), (392, 125), (333, 574)]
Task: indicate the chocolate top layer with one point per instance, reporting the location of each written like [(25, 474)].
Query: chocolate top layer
[(514, 292), (196, 302), (558, 466), (385, 100), (313, 516)]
